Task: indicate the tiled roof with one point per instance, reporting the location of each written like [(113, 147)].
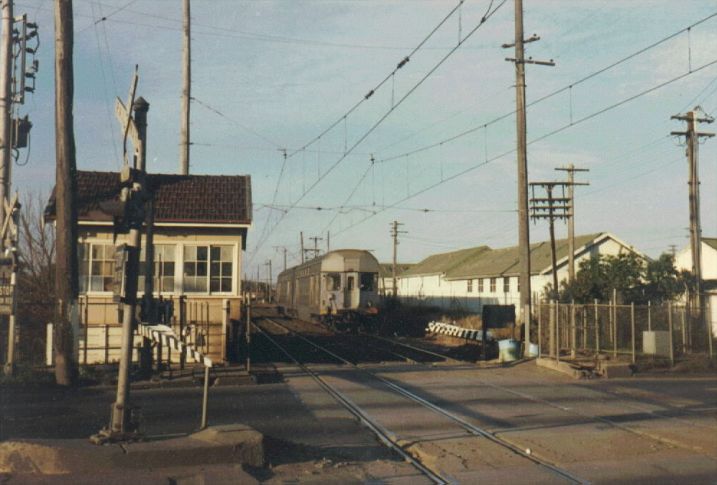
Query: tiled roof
[(442, 263), (505, 261), (208, 199)]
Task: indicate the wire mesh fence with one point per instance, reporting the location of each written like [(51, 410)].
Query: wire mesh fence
[(665, 331)]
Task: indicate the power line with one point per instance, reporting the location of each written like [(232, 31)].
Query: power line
[(540, 138), (240, 125), (382, 118), (385, 79), (547, 96)]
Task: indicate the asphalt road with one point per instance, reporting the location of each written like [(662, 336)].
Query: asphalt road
[(661, 429)]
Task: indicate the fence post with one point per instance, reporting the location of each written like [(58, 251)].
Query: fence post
[(539, 307), (551, 329), (708, 321), (182, 326), (573, 331), (649, 316), (205, 398), (226, 328), (683, 330), (597, 328), (557, 331), (107, 344), (669, 328), (85, 318), (248, 335), (614, 323), (632, 326), (584, 312)]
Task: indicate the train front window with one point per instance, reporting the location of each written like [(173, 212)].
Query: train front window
[(368, 281), (333, 281)]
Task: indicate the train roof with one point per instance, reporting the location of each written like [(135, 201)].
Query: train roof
[(355, 253)]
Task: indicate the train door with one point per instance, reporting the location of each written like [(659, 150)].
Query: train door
[(351, 291)]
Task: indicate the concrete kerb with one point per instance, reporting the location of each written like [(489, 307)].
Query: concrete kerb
[(236, 444)]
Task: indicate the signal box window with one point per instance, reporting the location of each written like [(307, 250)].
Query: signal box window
[(506, 285), (492, 285), (208, 268), (470, 286), (96, 267)]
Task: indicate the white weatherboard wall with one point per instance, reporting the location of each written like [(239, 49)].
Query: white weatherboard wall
[(683, 261), (436, 290)]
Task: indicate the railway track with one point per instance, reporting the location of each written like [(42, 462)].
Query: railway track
[(386, 436)]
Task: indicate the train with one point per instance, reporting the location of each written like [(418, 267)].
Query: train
[(339, 288)]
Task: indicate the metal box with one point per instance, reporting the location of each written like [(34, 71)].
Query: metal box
[(656, 342)]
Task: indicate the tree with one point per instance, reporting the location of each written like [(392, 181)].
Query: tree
[(633, 279), (36, 279)]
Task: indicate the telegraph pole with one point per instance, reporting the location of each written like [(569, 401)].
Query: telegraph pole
[(186, 93), (571, 219), (523, 218), (271, 278), (301, 235), (328, 241), (316, 240), (692, 138), (394, 234), (552, 208), (6, 59), (66, 268)]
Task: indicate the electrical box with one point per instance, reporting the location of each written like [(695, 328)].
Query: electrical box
[(20, 132), (656, 342)]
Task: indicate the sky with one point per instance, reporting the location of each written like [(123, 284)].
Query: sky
[(433, 147)]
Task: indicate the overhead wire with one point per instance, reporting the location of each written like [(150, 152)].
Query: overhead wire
[(383, 81), (549, 95), (486, 16), (535, 140)]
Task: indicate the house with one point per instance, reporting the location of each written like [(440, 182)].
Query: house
[(385, 276), (683, 261), (200, 229), (471, 278)]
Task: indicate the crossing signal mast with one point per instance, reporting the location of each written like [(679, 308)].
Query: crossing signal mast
[(18, 69)]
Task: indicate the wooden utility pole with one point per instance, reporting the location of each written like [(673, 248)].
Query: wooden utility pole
[(6, 59), (692, 138), (6, 149), (328, 241), (66, 269), (301, 235), (270, 280), (551, 208), (523, 218), (571, 219), (394, 234), (186, 93)]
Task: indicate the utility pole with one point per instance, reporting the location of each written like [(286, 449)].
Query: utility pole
[(692, 138), (394, 234), (186, 93), (571, 219), (552, 208), (66, 268), (302, 247), (328, 241), (523, 218), (6, 61), (270, 280), (316, 240), (283, 248)]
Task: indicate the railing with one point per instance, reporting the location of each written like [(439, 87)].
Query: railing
[(666, 331)]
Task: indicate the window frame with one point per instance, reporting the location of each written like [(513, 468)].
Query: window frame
[(209, 262)]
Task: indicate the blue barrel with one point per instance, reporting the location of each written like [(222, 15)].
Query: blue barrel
[(508, 350)]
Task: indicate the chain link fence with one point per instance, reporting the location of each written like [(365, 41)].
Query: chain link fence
[(665, 331)]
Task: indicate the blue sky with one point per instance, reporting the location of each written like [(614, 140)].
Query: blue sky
[(272, 75)]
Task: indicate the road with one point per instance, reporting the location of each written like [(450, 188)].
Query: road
[(659, 428)]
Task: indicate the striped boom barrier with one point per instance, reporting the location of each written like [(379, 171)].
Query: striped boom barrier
[(456, 331), (164, 335)]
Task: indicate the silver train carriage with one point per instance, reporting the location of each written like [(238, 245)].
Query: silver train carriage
[(339, 288)]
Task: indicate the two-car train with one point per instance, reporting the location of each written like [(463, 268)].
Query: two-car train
[(339, 288)]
